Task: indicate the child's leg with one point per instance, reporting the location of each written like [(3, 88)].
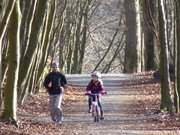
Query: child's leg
[(100, 106), (89, 102)]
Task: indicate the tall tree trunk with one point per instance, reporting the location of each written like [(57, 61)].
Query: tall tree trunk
[(176, 95), (77, 42), (166, 101), (177, 91), (133, 36), (84, 35), (25, 35), (3, 68), (4, 22), (1, 91), (25, 64), (10, 91), (46, 46), (150, 40), (70, 52)]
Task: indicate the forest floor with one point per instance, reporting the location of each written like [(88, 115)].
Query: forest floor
[(131, 108)]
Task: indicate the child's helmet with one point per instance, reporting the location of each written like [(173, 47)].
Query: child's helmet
[(97, 74)]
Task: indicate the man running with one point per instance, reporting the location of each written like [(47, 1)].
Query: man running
[(55, 83)]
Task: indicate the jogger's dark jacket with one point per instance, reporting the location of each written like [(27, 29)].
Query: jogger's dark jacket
[(57, 79)]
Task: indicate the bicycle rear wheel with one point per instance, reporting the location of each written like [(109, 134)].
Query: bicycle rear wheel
[(97, 115)]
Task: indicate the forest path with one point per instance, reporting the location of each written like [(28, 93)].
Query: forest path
[(117, 106), (114, 104)]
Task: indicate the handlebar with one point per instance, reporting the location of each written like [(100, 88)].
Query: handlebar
[(96, 94), (91, 94)]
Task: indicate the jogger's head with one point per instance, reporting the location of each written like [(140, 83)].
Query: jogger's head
[(55, 66)]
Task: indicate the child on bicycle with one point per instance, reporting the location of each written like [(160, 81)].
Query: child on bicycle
[(95, 86)]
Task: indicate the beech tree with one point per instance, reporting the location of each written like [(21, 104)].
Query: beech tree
[(177, 56), (133, 37), (166, 101), (10, 90), (150, 25)]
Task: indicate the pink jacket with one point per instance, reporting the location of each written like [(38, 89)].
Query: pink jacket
[(95, 87)]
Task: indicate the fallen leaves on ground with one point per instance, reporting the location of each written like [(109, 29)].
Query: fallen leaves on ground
[(144, 90), (147, 104), (38, 105)]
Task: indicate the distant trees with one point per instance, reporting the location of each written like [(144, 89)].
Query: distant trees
[(150, 30), (72, 39), (80, 36), (134, 46), (167, 34), (160, 36)]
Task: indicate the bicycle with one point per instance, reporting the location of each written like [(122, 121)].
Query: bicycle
[(95, 107)]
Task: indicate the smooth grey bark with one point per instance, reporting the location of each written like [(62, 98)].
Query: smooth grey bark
[(150, 39), (133, 36), (177, 56), (27, 26), (37, 23), (5, 19), (166, 101), (76, 53), (10, 91), (46, 47)]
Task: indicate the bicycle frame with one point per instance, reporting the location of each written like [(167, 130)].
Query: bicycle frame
[(95, 107)]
